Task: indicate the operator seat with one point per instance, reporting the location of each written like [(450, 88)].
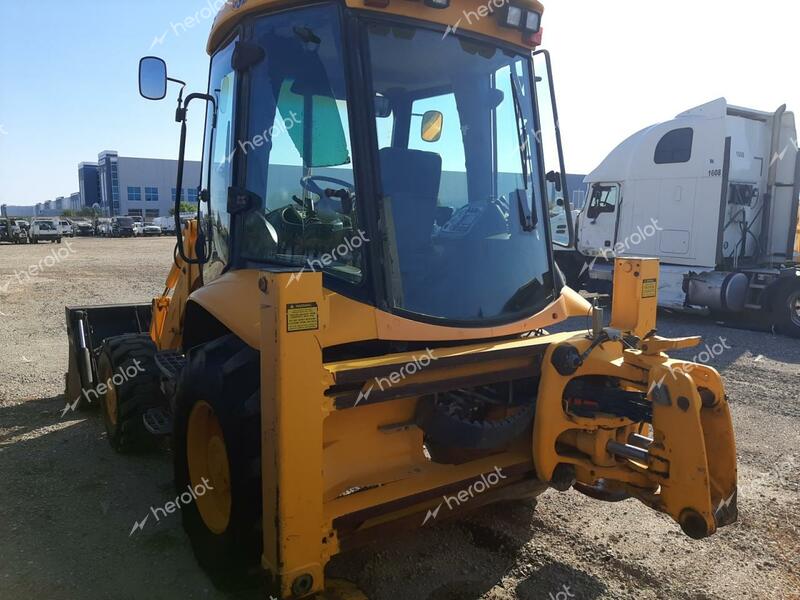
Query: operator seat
[(411, 178)]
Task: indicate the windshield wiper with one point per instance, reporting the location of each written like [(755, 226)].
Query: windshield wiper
[(528, 216), (524, 151)]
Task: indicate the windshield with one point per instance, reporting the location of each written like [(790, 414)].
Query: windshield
[(125, 222), (460, 176), (46, 226), (298, 151)]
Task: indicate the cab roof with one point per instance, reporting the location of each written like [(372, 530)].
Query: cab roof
[(457, 15)]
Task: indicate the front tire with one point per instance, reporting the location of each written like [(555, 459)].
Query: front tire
[(129, 373), (217, 448)]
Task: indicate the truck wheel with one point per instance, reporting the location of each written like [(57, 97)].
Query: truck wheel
[(217, 449), (128, 372), (787, 310)]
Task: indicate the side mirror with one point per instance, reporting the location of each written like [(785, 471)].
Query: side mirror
[(152, 78), (383, 106), (555, 178), (432, 126)]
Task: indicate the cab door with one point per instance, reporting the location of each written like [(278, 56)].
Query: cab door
[(599, 219)]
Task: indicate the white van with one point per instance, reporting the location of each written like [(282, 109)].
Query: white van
[(45, 230), (67, 228)]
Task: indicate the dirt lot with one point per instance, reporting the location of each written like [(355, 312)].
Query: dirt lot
[(67, 503)]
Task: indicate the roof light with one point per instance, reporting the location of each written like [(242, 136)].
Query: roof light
[(437, 3), (511, 17), (533, 21)]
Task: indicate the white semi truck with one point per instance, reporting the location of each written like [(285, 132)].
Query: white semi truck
[(714, 195)]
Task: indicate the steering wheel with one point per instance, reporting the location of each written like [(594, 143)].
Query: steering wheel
[(310, 184)]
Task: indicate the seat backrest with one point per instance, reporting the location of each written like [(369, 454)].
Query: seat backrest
[(411, 178)]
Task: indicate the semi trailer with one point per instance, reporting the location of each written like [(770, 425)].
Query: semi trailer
[(713, 194)]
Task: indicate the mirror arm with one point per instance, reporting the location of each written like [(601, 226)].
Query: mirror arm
[(180, 116)]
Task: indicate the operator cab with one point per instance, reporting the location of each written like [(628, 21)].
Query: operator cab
[(401, 158)]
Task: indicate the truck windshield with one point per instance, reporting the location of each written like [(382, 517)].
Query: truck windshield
[(462, 189)]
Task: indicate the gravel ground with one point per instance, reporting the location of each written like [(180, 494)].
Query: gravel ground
[(68, 502)]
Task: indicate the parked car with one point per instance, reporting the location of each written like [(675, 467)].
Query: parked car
[(83, 228), (12, 231), (67, 228), (167, 225), (45, 230), (123, 227), (150, 230), (103, 228)]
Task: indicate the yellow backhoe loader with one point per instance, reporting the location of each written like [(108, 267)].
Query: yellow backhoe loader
[(353, 340)]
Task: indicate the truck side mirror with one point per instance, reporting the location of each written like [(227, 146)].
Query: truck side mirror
[(554, 178), (152, 78)]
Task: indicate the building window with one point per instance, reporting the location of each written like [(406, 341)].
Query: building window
[(151, 213), (191, 195), (675, 147), (151, 194), (135, 212), (134, 194)]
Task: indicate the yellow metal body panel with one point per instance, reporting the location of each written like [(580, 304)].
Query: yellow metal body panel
[(635, 302), (169, 309), (470, 15), (797, 243), (293, 384), (692, 462), (316, 454), (345, 320)]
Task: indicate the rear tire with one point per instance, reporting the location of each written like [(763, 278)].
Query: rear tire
[(787, 310), (217, 436), (132, 358)]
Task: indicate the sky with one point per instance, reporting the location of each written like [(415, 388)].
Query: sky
[(69, 76)]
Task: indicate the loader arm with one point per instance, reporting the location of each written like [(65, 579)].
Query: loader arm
[(169, 309)]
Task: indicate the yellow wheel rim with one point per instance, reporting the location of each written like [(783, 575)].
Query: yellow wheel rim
[(111, 404), (209, 471)]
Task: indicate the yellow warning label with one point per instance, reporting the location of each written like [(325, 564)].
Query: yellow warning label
[(302, 317), (649, 288)]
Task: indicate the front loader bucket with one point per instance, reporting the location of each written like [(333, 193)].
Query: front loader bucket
[(87, 328)]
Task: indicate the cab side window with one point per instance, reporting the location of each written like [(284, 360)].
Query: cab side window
[(675, 147), (604, 200)]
